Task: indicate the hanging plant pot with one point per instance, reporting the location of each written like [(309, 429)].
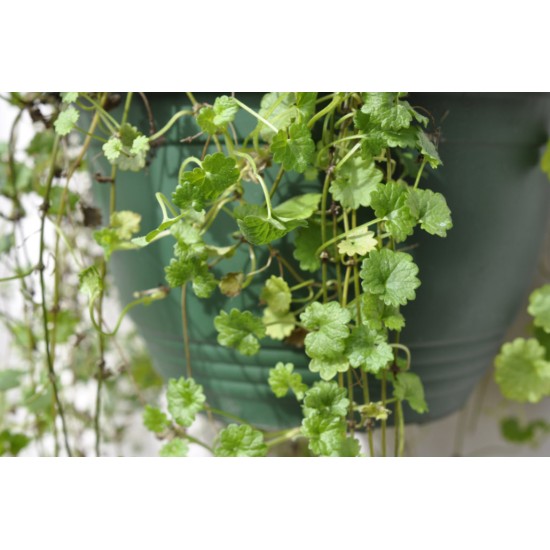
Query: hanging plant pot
[(472, 282)]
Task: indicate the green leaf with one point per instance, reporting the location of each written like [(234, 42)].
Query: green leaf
[(391, 276), (349, 447), (278, 325), (294, 151), (206, 183), (283, 108), (215, 119), (185, 399), (240, 440), (385, 110), (545, 160), (261, 229), (10, 378), (359, 241), (155, 420), (328, 326), (431, 210), (328, 366), (354, 183), (276, 294), (378, 315), (231, 284), (66, 120), (240, 330), (539, 307), (327, 400), (307, 242), (428, 150), (282, 379), (69, 97), (389, 201), (175, 448), (12, 443), (522, 371), (118, 235), (65, 324), (300, 207), (514, 432), (128, 149), (90, 282), (325, 435), (407, 386), (375, 410), (368, 349), (204, 282)]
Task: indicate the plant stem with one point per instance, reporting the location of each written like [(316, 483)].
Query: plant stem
[(225, 414), (384, 422), (41, 267), (327, 109), (170, 123), (255, 114), (419, 175), (277, 181)]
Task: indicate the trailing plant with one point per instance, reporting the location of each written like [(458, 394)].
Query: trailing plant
[(340, 296)]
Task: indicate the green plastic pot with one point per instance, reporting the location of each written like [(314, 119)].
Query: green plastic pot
[(473, 282)]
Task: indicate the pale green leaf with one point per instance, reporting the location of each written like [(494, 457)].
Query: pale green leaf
[(175, 448), (325, 435), (66, 120), (522, 372), (240, 330), (240, 440), (368, 349), (10, 378), (276, 294), (326, 399), (68, 97), (215, 119), (300, 207), (155, 420), (359, 241), (539, 307), (90, 282), (278, 326), (282, 379), (185, 399), (231, 284)]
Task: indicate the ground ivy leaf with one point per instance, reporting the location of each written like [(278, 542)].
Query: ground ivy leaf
[(261, 229), (326, 399), (325, 435), (66, 120), (90, 282), (215, 119), (389, 201), (282, 379), (328, 366), (204, 282), (522, 371), (128, 149), (428, 150), (391, 276), (378, 315), (407, 386), (118, 235), (283, 108), (175, 448), (328, 326), (539, 307), (278, 326), (513, 431), (155, 420), (359, 241), (10, 378), (367, 349), (185, 399), (68, 97), (375, 410), (240, 440), (385, 109), (206, 183), (294, 151), (307, 241), (431, 210), (231, 284), (349, 447), (276, 294), (298, 208), (354, 182), (240, 330)]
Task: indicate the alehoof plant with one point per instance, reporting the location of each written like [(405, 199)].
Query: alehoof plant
[(341, 295)]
